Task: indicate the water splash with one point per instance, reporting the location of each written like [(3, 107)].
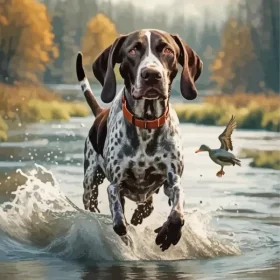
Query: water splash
[(41, 216)]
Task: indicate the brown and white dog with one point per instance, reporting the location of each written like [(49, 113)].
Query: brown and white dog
[(136, 143)]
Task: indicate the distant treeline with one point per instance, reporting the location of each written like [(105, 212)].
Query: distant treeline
[(42, 44)]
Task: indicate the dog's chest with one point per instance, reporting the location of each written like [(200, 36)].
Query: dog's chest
[(142, 176), (143, 170), (139, 159)]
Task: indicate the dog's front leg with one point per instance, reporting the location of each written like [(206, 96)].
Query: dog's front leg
[(116, 209), (171, 230)]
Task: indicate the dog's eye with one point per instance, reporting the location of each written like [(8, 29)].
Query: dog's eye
[(167, 51), (132, 51)]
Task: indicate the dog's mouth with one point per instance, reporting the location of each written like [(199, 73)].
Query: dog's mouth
[(151, 93)]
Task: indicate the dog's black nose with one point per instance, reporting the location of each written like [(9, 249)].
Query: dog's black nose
[(150, 75)]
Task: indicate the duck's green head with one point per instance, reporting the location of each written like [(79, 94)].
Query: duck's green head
[(203, 148)]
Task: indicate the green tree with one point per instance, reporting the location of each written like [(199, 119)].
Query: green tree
[(236, 66)]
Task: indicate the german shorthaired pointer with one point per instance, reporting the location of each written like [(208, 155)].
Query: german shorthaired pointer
[(136, 143)]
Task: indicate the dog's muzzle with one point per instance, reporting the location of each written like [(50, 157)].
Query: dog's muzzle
[(150, 76), (151, 84)]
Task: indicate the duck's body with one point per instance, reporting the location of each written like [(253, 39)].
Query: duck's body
[(221, 156)]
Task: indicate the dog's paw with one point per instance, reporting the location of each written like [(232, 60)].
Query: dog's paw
[(137, 218), (120, 228), (90, 204), (94, 208), (170, 232), (142, 212)]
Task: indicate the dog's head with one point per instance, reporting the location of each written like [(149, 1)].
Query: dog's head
[(148, 64)]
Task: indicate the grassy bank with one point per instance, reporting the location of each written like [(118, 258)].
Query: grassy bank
[(251, 111), (28, 103), (262, 159)]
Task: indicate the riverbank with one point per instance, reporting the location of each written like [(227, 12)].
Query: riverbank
[(32, 103), (262, 159), (251, 111)]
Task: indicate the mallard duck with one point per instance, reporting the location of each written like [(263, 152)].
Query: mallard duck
[(221, 156)]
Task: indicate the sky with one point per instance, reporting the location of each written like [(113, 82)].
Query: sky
[(194, 8)]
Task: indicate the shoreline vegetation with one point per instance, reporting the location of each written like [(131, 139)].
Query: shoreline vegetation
[(22, 103), (252, 111), (262, 159), (25, 103)]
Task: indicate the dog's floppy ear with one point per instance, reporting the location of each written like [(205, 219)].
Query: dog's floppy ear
[(192, 68), (103, 69)]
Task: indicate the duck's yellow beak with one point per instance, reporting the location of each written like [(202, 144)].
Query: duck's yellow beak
[(197, 151)]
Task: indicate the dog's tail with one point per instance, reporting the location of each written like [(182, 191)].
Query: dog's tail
[(91, 100)]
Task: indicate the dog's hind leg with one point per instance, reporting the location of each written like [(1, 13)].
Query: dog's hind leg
[(93, 177), (91, 182), (142, 211)]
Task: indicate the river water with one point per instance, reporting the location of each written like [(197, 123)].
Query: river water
[(231, 226)]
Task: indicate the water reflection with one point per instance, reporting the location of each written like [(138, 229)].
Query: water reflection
[(135, 271)]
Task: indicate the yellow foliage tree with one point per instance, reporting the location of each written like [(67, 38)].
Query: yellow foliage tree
[(236, 67), (26, 40), (100, 33)]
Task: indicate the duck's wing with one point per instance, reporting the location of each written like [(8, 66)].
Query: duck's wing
[(225, 137)]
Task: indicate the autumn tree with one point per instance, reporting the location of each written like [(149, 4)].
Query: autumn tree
[(236, 66), (100, 33), (26, 40)]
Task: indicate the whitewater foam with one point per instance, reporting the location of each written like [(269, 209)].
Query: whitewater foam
[(40, 215)]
